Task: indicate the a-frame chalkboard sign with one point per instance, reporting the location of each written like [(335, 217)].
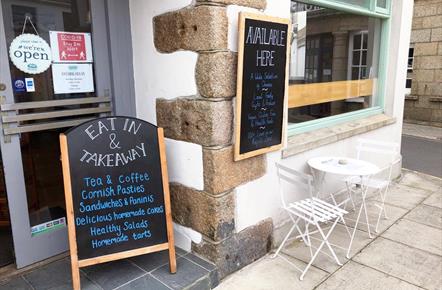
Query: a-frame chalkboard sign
[(262, 84), (117, 192)]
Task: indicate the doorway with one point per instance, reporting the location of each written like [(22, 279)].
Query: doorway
[(71, 90), (6, 248)]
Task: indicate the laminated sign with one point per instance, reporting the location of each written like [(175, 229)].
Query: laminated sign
[(30, 53), (71, 46)]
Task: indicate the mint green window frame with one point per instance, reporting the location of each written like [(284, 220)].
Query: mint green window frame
[(378, 108)]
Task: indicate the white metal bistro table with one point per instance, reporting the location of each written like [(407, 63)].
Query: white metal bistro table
[(347, 167)]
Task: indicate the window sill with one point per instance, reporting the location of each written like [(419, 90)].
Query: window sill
[(409, 97), (310, 140)]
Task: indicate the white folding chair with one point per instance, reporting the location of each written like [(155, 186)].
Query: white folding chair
[(313, 211), (386, 155)]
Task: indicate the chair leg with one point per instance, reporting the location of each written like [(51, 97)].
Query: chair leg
[(342, 217), (285, 240), (325, 241), (349, 190), (382, 207), (366, 219), (354, 231), (345, 225), (364, 194)]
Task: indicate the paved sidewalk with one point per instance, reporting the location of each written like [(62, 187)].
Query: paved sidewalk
[(422, 131), (405, 254)]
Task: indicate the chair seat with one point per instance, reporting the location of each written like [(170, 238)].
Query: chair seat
[(315, 209), (372, 182)]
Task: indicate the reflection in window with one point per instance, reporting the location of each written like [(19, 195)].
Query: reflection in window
[(381, 4), (360, 3), (410, 59), (333, 63)]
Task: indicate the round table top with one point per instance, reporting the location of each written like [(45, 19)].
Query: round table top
[(343, 165)]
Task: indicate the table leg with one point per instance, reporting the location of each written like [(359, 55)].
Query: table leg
[(354, 231), (318, 178), (364, 190)]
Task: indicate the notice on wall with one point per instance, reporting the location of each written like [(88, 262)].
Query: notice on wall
[(71, 46), (30, 53), (262, 84), (71, 78)]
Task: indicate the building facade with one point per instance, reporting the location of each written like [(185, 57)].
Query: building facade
[(174, 64), (424, 72)]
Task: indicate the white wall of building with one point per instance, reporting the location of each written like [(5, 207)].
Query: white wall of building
[(164, 75), (172, 75)]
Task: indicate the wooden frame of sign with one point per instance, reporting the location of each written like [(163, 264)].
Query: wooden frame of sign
[(77, 263), (265, 137)]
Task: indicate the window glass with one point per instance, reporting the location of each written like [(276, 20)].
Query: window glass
[(410, 59), (41, 150), (45, 16), (381, 3), (361, 3), (333, 63)]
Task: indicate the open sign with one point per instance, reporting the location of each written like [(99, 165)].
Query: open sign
[(30, 53)]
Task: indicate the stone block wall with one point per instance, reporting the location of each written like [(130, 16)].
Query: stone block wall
[(424, 104), (207, 119)]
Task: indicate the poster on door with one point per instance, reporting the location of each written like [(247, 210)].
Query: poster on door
[(70, 46), (71, 78)]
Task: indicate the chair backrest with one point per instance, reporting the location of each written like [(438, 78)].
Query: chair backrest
[(384, 154), (297, 182)]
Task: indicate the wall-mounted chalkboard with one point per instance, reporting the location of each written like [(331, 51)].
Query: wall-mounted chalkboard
[(117, 194), (263, 47)]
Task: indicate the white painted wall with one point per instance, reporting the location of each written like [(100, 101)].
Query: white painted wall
[(164, 75), (172, 75)]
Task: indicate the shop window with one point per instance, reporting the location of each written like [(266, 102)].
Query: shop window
[(334, 62), (408, 83), (410, 59)]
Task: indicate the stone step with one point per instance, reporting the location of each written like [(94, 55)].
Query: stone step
[(149, 271)]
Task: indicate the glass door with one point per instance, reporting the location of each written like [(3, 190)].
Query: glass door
[(51, 81)]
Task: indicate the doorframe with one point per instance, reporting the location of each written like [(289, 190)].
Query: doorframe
[(119, 53), (116, 59)]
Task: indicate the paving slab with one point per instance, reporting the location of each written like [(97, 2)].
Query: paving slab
[(340, 237), (419, 180), (16, 284), (393, 213), (273, 274), (404, 262), (429, 132), (406, 196), (211, 268), (416, 235), (145, 282), (427, 215), (113, 274), (187, 273), (434, 200), (151, 261), (56, 275), (356, 276)]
